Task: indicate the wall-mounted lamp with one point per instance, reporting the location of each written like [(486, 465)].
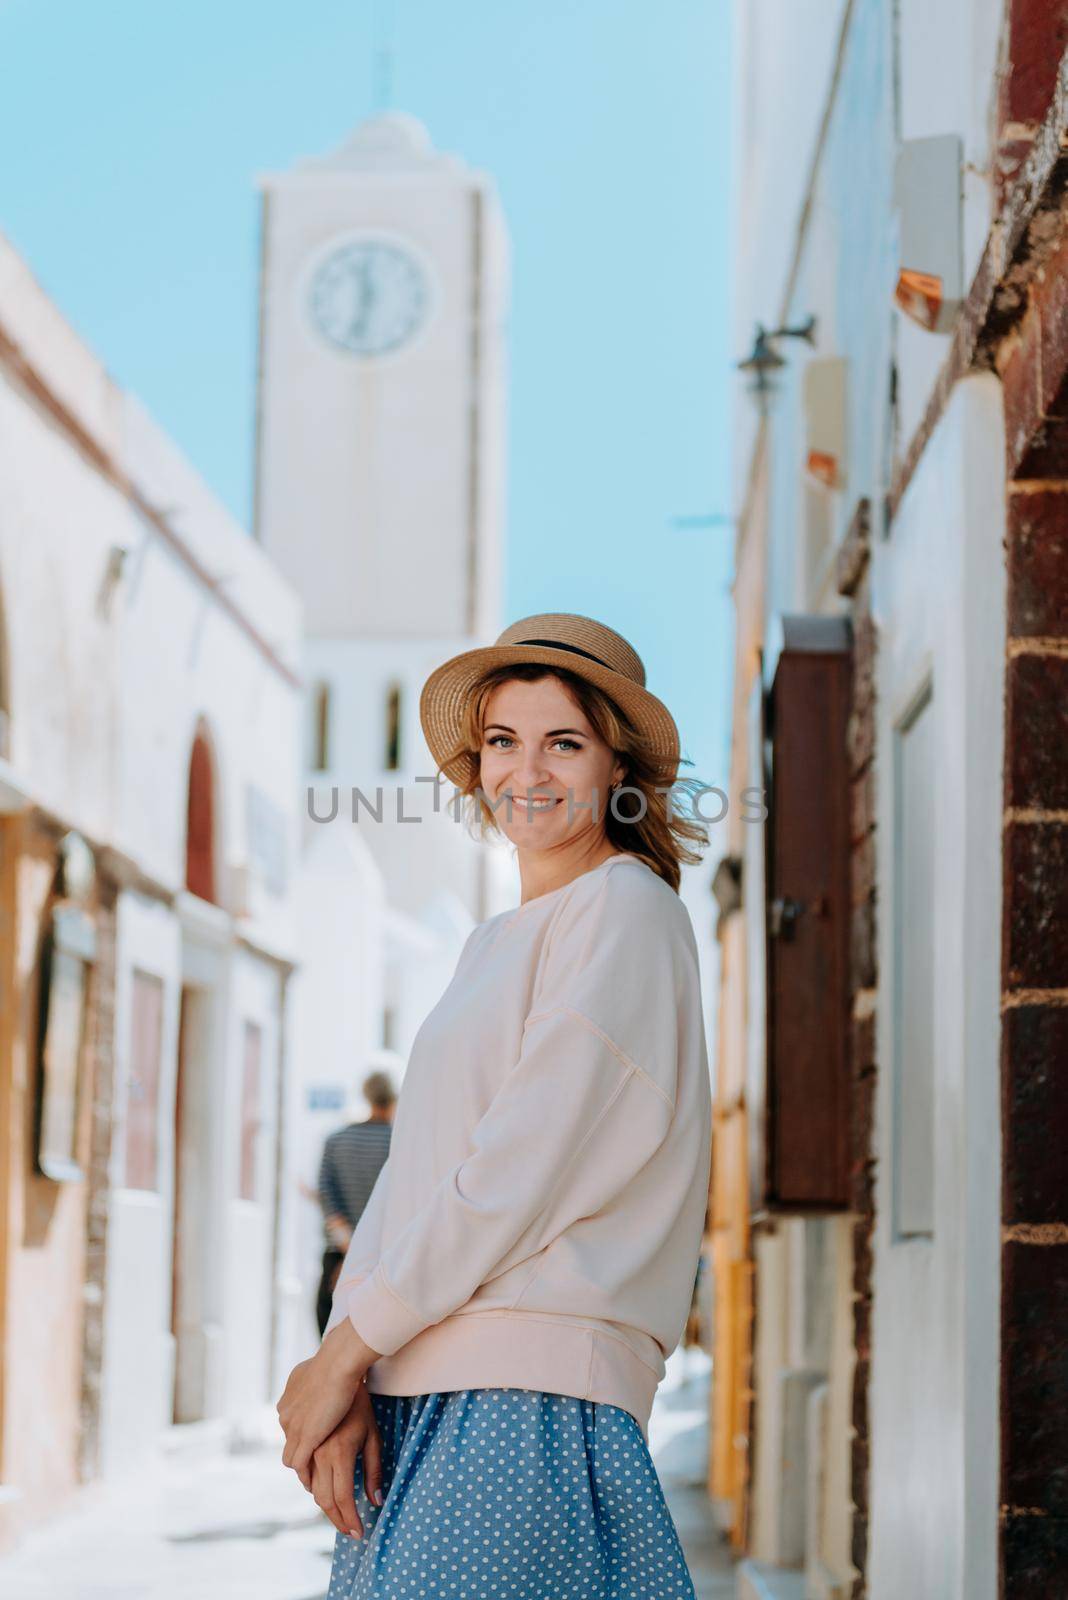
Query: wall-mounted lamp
[(764, 361), (114, 567)]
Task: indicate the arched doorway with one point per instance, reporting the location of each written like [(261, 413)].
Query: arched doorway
[(200, 866), (193, 1312)]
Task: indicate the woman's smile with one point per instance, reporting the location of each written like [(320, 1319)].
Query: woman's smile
[(536, 804)]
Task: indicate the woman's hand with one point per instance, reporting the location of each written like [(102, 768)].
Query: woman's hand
[(333, 1468), (319, 1393)]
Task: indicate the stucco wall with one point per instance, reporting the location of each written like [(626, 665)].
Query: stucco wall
[(939, 597)]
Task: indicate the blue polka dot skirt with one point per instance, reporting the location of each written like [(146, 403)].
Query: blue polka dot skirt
[(510, 1494)]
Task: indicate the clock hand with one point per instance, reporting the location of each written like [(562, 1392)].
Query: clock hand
[(367, 300)]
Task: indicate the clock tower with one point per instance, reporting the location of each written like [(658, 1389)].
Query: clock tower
[(379, 485)]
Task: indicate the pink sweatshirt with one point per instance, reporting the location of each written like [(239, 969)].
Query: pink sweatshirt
[(538, 1221)]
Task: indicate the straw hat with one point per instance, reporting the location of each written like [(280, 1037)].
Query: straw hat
[(557, 639)]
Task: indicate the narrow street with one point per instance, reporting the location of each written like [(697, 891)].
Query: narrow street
[(212, 1522)]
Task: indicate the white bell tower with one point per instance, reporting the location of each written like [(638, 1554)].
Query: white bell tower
[(380, 421)]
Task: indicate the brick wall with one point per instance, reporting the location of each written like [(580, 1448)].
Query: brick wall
[(1036, 35), (852, 579), (1034, 1039), (1032, 359), (101, 1054)]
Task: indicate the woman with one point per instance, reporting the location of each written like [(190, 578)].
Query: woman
[(526, 1258)]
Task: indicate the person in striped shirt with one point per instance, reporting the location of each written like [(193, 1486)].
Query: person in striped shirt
[(352, 1158)]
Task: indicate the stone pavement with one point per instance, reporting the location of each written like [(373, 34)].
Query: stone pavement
[(201, 1524), (210, 1521), (678, 1439)]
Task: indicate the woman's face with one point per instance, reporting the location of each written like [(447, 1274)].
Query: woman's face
[(538, 745)]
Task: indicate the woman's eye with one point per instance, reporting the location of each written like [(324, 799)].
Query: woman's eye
[(497, 739)]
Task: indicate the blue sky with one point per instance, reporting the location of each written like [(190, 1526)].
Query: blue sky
[(133, 133)]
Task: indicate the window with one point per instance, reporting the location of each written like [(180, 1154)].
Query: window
[(142, 1089), (914, 957), (320, 728), (393, 727), (251, 1089), (66, 956)]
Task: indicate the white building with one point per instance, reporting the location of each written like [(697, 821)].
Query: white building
[(151, 708), (380, 496)]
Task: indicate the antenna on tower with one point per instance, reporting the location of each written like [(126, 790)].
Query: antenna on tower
[(383, 17)]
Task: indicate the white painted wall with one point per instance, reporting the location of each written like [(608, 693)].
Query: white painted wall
[(183, 659), (939, 592), (61, 649), (107, 678)]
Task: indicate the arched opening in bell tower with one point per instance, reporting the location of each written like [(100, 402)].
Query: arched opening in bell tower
[(394, 708), (320, 728)]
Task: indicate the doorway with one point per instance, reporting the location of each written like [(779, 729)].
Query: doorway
[(189, 1326)]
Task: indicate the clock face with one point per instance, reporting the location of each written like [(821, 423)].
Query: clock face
[(368, 297)]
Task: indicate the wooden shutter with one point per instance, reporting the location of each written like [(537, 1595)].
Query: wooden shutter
[(806, 1152)]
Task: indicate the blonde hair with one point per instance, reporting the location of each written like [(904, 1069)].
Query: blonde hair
[(639, 820)]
